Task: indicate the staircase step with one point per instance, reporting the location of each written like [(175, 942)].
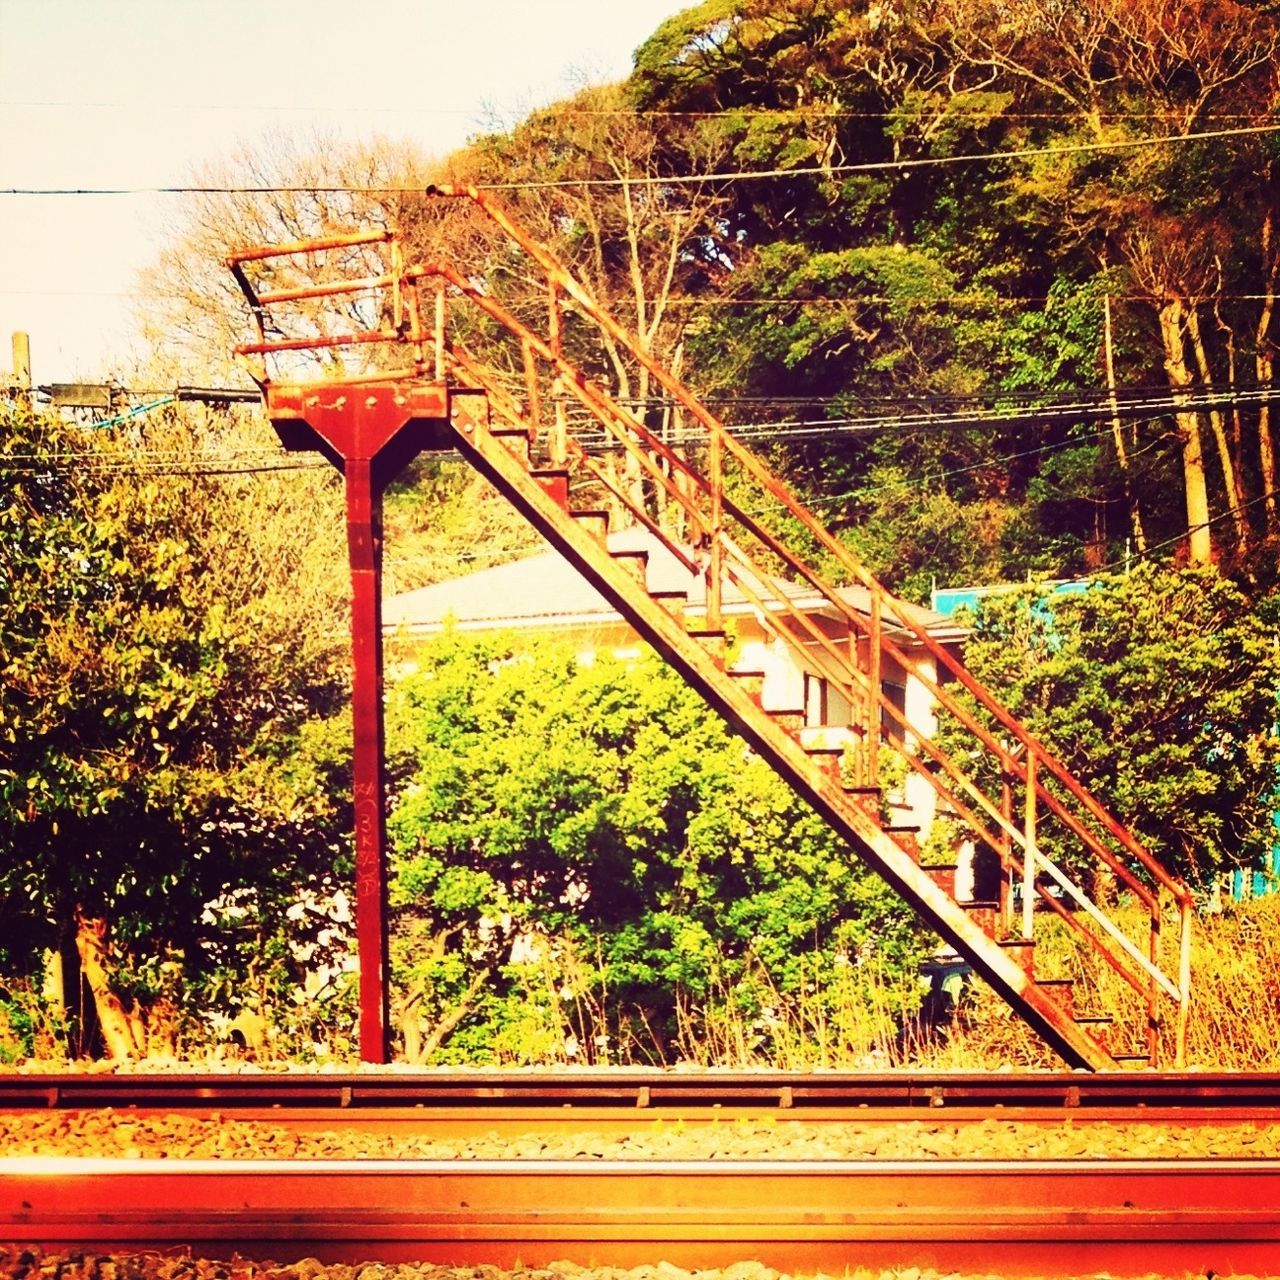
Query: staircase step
[(750, 680), (595, 522), (908, 838), (944, 877), (712, 639), (518, 442), (554, 482), (1020, 950), (463, 407), (983, 912), (792, 720), (673, 601), (1098, 1027), (1063, 991), (827, 759), (507, 429), (636, 563)]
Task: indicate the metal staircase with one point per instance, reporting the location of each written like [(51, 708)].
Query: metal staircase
[(548, 437)]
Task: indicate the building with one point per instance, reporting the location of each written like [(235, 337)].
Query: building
[(543, 593)]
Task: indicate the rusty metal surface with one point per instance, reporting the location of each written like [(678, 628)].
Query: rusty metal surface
[(1014, 1217), (1246, 1094), (369, 432), (1015, 800)]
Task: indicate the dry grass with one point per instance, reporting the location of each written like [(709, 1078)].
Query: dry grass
[(1234, 1018), (854, 1022), (1233, 1025)]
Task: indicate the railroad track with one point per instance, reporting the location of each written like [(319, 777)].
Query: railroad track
[(1195, 1093), (1012, 1217)]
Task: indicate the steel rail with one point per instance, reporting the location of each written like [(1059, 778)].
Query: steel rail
[(1017, 1217), (646, 1090)]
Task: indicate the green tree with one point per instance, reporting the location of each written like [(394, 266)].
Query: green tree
[(951, 286), (155, 751), (554, 808), (1158, 690)]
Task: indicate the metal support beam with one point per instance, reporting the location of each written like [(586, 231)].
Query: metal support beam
[(370, 433), (368, 783)]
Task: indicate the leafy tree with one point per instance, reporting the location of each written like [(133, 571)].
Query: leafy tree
[(1192, 223), (155, 754), (553, 808), (1188, 253), (1158, 690)]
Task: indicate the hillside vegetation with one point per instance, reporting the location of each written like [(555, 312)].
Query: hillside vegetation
[(992, 285)]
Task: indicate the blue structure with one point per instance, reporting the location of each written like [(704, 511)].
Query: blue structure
[(1253, 884), (948, 600)]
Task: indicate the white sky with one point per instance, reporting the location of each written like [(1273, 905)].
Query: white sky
[(141, 93)]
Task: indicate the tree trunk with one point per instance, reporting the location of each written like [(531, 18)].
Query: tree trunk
[(1230, 480), (449, 1023), (1199, 541), (1117, 432), (1265, 366), (65, 983), (120, 1031)]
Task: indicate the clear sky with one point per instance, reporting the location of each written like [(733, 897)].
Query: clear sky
[(142, 93)]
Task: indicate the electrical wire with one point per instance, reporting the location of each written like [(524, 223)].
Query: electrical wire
[(1130, 394), (1229, 514), (179, 465), (815, 430), (667, 180), (142, 463), (921, 482), (779, 300), (1068, 412), (819, 111)]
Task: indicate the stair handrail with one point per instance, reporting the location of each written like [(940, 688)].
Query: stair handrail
[(644, 445), (558, 274)]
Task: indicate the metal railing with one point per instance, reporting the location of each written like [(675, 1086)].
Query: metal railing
[(1001, 787)]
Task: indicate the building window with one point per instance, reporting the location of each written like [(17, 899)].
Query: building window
[(815, 701)]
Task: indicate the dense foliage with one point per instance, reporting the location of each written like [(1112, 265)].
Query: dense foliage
[(1158, 690), (157, 756), (966, 210), (614, 862)]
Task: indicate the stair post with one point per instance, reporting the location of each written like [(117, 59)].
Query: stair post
[(370, 433), (1029, 850), (715, 566)]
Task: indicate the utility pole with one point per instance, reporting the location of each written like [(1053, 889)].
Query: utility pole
[(18, 383)]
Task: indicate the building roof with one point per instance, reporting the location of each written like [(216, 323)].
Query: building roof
[(544, 591)]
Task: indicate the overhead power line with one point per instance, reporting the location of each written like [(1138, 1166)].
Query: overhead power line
[(817, 111), (1023, 409), (1229, 514), (668, 180), (780, 300)]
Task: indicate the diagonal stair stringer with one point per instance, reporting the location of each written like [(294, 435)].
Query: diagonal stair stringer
[(851, 821), (1003, 789)]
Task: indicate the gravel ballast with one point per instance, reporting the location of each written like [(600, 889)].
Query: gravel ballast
[(108, 1133), (18, 1263)]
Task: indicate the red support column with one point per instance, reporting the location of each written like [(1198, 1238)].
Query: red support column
[(364, 548), (371, 433)]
